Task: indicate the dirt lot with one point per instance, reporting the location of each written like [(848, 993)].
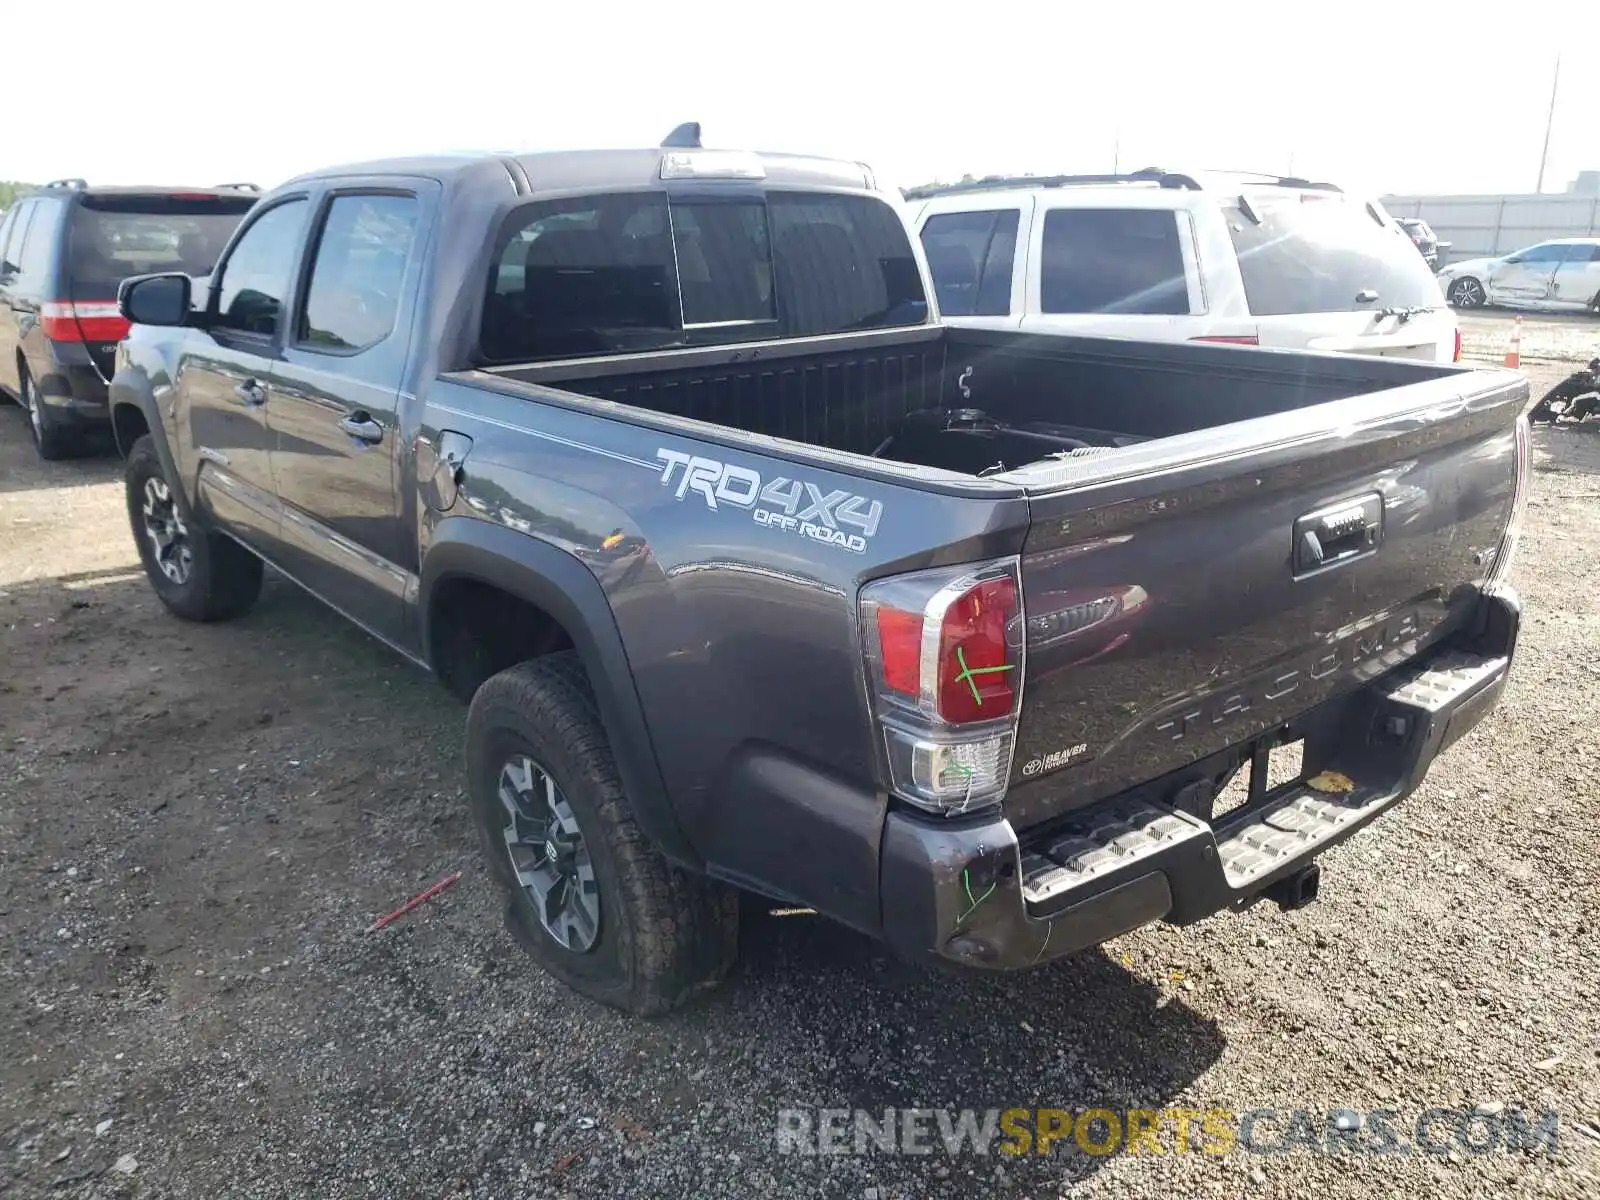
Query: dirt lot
[(1547, 341), (198, 823)]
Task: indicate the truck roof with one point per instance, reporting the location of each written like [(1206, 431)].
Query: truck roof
[(597, 170)]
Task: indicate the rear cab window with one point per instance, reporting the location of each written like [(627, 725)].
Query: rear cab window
[(1113, 260), (642, 271), (972, 257), (117, 236), (1317, 254)]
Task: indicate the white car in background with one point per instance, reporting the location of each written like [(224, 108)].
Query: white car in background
[(1212, 256), (1562, 275)]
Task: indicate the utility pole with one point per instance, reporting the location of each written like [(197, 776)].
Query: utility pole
[(1544, 154)]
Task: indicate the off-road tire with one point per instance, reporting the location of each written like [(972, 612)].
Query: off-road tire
[(665, 934), (224, 578), (53, 440)]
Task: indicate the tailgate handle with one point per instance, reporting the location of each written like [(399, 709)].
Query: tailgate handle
[(1338, 534)]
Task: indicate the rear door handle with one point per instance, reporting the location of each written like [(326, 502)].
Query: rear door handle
[(250, 393), (363, 428)]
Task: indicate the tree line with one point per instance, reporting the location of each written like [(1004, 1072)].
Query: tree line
[(11, 190)]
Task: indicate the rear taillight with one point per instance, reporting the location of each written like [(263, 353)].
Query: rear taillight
[(1241, 339), (1457, 355), (83, 321), (1519, 504), (944, 663)]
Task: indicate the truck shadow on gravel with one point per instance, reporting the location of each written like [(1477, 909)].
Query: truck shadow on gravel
[(1084, 1032)]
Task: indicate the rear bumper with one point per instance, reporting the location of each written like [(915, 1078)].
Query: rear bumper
[(972, 892), (73, 387)]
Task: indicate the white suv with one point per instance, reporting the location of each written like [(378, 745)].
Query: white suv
[(1253, 259)]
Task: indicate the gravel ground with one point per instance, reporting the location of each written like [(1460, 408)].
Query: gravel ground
[(1547, 341), (197, 824)]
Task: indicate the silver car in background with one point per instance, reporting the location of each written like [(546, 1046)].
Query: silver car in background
[(1562, 275)]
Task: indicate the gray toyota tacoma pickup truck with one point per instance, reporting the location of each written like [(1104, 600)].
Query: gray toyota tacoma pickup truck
[(759, 578)]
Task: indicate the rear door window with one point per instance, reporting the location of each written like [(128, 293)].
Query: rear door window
[(359, 272), (627, 272), (117, 236), (1317, 256), (972, 256), (1113, 260)]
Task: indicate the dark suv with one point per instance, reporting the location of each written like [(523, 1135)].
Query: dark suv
[(63, 251), (1423, 238)]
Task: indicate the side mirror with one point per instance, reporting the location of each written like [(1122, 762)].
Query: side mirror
[(1511, 258), (155, 299)]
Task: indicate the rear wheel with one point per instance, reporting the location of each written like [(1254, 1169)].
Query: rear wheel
[(591, 899), (1467, 292), (51, 438), (199, 575)]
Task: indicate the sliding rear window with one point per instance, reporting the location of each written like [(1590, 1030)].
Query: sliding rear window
[(627, 272), (114, 237), (1318, 255)]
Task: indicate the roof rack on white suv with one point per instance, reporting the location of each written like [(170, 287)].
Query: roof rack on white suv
[(1155, 175)]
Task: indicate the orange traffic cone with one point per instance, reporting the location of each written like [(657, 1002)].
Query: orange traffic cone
[(1514, 355)]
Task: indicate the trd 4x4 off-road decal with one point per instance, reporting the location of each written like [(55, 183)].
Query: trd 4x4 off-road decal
[(784, 504)]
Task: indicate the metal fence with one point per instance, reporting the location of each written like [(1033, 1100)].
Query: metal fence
[(1479, 226)]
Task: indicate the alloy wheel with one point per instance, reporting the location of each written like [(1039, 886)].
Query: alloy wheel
[(549, 855), (167, 533), (1467, 293)]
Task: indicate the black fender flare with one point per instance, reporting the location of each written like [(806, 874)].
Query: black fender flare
[(135, 392), (555, 581)]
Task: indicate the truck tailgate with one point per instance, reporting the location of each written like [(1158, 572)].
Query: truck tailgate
[(1192, 594)]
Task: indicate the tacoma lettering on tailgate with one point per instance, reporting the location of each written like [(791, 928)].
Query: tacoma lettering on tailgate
[(1351, 652)]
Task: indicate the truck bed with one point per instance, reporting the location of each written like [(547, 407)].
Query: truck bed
[(973, 401), (1165, 488)]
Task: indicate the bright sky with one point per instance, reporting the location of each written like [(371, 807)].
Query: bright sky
[(1378, 97)]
